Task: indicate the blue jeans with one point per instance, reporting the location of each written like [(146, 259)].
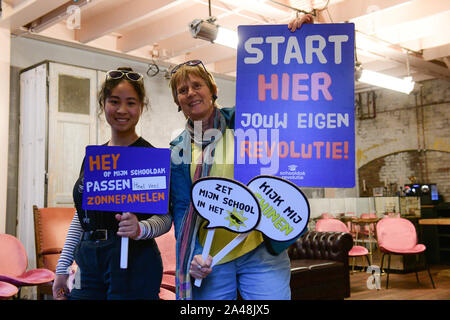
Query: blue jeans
[(257, 275), (99, 276)]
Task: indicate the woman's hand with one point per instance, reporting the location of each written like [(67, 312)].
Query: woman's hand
[(296, 23), (128, 225), (60, 289), (200, 268)]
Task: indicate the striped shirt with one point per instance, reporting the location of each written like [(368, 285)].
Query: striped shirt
[(153, 227)]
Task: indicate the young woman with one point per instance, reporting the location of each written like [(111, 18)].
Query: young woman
[(94, 237)]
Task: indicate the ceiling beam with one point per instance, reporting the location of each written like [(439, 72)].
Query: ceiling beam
[(259, 7), (13, 3), (373, 46), (347, 10), (114, 19), (381, 22), (63, 12), (425, 30), (437, 52), (426, 43), (181, 44), (22, 13), (423, 34), (158, 30)]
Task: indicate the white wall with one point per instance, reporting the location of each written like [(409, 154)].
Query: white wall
[(4, 121)]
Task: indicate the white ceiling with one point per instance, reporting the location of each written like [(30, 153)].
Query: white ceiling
[(158, 30)]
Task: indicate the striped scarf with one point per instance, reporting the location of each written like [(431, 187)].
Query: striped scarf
[(191, 221)]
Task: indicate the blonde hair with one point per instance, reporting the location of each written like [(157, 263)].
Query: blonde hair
[(183, 74)]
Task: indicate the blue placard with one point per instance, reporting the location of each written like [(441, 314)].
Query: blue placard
[(295, 104), (126, 179)]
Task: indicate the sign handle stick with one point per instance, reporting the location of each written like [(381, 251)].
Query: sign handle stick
[(230, 246), (205, 253), (124, 253)]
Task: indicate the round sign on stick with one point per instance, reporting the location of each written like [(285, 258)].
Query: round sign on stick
[(228, 204), (225, 204), (284, 208)]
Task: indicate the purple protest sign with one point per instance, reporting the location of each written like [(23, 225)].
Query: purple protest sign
[(295, 104), (126, 179)]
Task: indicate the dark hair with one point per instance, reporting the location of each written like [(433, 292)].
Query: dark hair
[(109, 84)]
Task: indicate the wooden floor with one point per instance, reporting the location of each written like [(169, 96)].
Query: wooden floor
[(403, 286)]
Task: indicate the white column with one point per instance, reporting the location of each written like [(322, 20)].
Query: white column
[(5, 56)]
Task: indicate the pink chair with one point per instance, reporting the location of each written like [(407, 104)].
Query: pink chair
[(7, 290), (167, 247), (336, 225), (14, 262), (398, 236)]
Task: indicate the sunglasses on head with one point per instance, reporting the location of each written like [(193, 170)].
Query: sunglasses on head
[(117, 74), (190, 63)]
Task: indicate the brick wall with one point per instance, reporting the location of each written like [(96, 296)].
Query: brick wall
[(408, 137)]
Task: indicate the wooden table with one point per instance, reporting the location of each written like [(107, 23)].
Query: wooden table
[(435, 221), (346, 219), (365, 220)]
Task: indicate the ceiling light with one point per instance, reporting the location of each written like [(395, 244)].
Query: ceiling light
[(209, 31), (227, 37), (405, 85)]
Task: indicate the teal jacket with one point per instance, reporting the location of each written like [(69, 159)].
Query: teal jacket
[(180, 184)]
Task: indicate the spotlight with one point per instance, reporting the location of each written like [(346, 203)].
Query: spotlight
[(204, 29), (208, 30)]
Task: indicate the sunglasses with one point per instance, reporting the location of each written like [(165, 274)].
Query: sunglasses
[(190, 63), (117, 74)]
